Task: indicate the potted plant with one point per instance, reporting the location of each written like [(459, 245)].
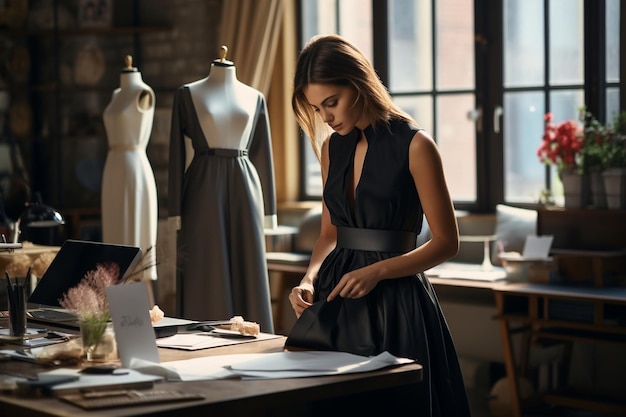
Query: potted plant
[(562, 146), (88, 301), (614, 173), (594, 156)]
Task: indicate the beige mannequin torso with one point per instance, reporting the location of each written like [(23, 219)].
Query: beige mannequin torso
[(128, 117), (131, 84), (225, 107)]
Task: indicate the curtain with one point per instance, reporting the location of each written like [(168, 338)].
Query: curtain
[(261, 39), (250, 31)]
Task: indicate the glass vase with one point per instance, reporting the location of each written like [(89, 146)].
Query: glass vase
[(98, 340)]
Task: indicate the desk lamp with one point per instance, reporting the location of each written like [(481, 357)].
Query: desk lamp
[(39, 216)]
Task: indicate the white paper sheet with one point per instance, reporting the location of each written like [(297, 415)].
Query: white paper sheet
[(280, 365), (209, 367), (173, 321), (537, 247), (204, 340), (472, 272)]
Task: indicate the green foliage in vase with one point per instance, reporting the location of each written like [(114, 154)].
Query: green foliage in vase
[(91, 330), (615, 156), (604, 146), (594, 145)]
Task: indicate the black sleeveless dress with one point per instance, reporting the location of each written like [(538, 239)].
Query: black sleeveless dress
[(401, 316)]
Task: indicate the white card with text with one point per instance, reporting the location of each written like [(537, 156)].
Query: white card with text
[(131, 321), (537, 247)]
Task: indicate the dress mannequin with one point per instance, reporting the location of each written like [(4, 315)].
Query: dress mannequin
[(221, 193), (129, 195)]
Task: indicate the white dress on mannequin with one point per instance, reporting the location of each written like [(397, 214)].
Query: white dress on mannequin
[(221, 189), (129, 194)]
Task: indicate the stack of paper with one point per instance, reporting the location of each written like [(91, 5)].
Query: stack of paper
[(280, 365)]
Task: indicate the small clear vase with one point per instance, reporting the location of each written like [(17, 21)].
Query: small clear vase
[(98, 339)]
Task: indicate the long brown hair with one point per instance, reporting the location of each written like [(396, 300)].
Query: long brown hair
[(331, 59)]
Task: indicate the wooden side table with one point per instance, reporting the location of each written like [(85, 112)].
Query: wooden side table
[(564, 314), (279, 241)]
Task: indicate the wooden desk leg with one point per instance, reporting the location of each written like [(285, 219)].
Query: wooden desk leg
[(511, 371)]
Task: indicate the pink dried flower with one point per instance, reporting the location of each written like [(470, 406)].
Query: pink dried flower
[(88, 298)]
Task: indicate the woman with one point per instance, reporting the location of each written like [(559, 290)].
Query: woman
[(381, 175)]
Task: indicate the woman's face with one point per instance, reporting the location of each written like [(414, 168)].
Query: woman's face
[(337, 106)]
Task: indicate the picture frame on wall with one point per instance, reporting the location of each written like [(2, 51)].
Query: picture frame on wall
[(95, 13)]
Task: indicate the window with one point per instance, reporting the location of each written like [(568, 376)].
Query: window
[(481, 87), (543, 71)]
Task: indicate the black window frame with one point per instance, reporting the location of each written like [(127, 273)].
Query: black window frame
[(489, 69)]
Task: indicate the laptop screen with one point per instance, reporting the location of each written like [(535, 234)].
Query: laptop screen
[(74, 260)]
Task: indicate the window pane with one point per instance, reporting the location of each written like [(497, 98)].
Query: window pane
[(457, 143), (566, 42), (612, 103), (319, 16), (565, 104), (420, 107), (312, 170), (455, 44), (524, 174), (612, 40), (523, 43), (410, 46), (355, 23)]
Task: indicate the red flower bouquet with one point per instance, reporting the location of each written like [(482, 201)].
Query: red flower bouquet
[(562, 144)]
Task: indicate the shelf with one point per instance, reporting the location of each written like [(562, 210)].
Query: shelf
[(598, 401), (594, 334), (573, 328), (95, 31), (602, 230)]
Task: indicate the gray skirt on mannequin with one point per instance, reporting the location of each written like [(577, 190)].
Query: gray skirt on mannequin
[(221, 261)]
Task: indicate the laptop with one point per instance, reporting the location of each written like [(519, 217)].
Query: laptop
[(67, 269)]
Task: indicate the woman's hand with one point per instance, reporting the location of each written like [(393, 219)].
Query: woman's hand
[(301, 298), (355, 284)]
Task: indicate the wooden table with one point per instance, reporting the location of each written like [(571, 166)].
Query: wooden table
[(566, 314), (388, 390)]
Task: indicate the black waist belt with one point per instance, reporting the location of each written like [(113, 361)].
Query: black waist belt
[(376, 240), (224, 153)]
